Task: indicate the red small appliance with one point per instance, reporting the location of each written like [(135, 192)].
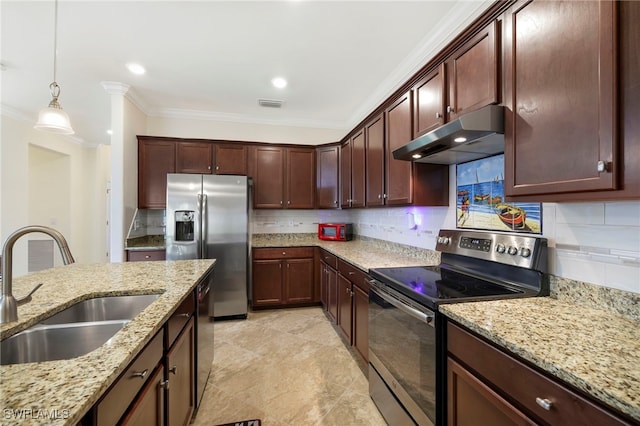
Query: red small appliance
[(335, 231)]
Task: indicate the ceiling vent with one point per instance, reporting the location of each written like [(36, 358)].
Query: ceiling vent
[(270, 103)]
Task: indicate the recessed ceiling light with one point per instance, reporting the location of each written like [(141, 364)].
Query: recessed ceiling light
[(136, 68), (460, 140), (279, 82)]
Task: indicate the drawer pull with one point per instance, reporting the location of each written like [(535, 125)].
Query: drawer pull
[(544, 403), (174, 369), (186, 315), (141, 374)]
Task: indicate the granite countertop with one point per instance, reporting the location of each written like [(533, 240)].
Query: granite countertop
[(67, 389), (362, 252), (594, 350)]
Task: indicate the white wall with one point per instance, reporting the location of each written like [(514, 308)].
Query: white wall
[(248, 132), (22, 148)]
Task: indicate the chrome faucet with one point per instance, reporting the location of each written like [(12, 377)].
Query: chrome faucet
[(8, 303)]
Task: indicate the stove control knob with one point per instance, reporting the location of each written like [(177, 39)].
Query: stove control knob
[(444, 240), (512, 250), (525, 252), (500, 248)]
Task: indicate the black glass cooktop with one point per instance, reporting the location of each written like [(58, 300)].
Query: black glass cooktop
[(434, 285)]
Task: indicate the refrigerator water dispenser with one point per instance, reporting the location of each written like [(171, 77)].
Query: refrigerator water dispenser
[(184, 220)]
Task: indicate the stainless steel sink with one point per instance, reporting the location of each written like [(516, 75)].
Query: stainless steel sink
[(54, 342), (103, 309), (75, 331)]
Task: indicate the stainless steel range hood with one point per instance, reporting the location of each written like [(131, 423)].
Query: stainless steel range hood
[(471, 136)]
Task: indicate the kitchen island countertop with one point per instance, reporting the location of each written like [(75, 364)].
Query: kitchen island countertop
[(593, 350), (61, 392)]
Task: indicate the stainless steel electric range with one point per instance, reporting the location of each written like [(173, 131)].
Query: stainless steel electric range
[(407, 347)]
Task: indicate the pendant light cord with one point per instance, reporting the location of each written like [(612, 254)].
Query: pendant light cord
[(55, 41)]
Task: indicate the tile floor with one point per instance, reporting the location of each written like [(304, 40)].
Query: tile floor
[(285, 367)]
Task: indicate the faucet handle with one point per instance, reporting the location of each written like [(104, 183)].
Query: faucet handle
[(27, 298)]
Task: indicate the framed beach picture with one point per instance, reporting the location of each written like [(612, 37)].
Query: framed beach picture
[(480, 201)]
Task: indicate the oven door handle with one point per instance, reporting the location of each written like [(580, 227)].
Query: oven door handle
[(428, 319)]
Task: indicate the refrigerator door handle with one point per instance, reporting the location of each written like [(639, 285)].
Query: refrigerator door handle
[(202, 243)]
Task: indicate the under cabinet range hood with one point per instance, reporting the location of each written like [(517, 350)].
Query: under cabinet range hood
[(471, 136)]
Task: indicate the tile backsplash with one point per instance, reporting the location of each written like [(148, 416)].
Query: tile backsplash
[(597, 243)]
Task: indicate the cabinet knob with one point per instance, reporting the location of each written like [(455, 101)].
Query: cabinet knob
[(141, 374), (164, 384), (379, 196), (280, 202), (174, 369), (335, 202), (284, 253), (288, 203), (438, 115), (450, 108), (603, 166), (186, 315), (147, 256), (208, 167), (351, 273), (544, 403), (217, 168)]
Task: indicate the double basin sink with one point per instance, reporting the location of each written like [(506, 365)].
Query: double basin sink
[(75, 331)]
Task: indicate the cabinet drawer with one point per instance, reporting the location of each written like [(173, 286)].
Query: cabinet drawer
[(499, 369), (356, 275), (180, 317), (283, 253), (329, 258), (117, 399), (140, 255)]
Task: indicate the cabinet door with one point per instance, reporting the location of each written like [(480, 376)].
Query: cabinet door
[(375, 161), (345, 174), (301, 178), (145, 255), (344, 306), (560, 93), (358, 177), (267, 282), (231, 159), (180, 363), (298, 281), (268, 177), (399, 184), (472, 73), (361, 322), (469, 399), (194, 157), (332, 293), (155, 160), (429, 102), (148, 408), (327, 183)]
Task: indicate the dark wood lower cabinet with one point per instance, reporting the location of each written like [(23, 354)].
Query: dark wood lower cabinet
[(361, 321), (485, 382), (180, 368), (149, 407), (345, 306), (469, 399), (283, 277)]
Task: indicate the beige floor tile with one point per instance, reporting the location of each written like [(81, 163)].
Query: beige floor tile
[(285, 367)]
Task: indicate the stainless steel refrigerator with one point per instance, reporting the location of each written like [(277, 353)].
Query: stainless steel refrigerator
[(207, 217)]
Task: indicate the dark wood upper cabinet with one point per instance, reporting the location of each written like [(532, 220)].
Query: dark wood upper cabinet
[(328, 165), (358, 177), (300, 172), (230, 159), (155, 159), (283, 177), (194, 157), (473, 73), (429, 101), (268, 177), (399, 182), (345, 174), (374, 137), (560, 91)]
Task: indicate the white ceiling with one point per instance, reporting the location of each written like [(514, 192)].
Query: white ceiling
[(214, 59)]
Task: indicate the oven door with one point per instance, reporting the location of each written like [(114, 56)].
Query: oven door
[(402, 357)]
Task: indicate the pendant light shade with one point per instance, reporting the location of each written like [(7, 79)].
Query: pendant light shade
[(52, 118)]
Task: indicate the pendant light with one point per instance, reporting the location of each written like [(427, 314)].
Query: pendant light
[(52, 118)]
